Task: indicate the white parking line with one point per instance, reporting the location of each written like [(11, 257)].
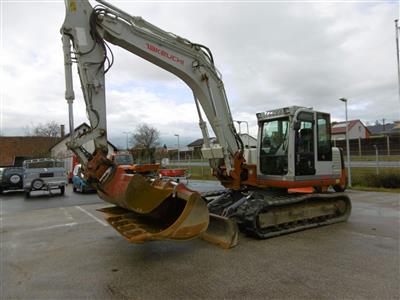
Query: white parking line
[(67, 214), (53, 226), (92, 216)]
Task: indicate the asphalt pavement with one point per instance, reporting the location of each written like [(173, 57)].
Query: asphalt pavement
[(14, 201), (69, 252)]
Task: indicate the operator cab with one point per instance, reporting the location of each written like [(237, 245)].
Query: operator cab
[(294, 142)]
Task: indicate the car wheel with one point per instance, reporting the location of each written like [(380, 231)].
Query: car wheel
[(84, 190), (339, 188), (15, 178), (62, 190), (37, 184)]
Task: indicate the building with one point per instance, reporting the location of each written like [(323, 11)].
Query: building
[(195, 146), (356, 130), (385, 129), (395, 130), (248, 140), (15, 149), (60, 150)]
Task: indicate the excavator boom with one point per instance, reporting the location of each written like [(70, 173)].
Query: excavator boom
[(146, 209), (89, 28)]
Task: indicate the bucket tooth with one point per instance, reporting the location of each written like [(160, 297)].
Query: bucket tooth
[(127, 227)]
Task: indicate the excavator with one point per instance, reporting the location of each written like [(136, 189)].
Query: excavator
[(277, 188)]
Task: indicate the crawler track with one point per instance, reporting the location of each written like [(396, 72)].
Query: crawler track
[(267, 214)]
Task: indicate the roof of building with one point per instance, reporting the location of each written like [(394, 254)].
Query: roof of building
[(84, 125), (340, 127), (245, 135), (383, 129), (200, 142), (395, 130), (18, 148)]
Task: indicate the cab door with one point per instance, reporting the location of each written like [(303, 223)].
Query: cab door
[(324, 146), (304, 144)]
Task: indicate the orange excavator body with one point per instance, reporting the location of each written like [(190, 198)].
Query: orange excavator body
[(293, 151)]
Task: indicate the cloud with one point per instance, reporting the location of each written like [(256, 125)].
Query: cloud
[(270, 54)]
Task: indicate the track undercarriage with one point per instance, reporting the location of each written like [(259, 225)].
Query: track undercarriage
[(268, 213)]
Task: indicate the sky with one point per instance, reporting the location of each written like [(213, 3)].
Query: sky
[(271, 54)]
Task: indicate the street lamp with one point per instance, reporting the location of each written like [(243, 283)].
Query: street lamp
[(347, 142), (247, 125), (179, 158), (239, 122), (127, 135)]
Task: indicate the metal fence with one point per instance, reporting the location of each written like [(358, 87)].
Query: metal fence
[(387, 145)]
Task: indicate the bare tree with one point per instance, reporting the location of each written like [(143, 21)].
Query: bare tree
[(49, 129), (145, 141)]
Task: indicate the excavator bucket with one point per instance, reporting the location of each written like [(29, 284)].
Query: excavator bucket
[(160, 210)]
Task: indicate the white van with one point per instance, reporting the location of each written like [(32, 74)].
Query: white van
[(44, 174)]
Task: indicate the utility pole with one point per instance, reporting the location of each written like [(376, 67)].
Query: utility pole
[(397, 53), (376, 159), (179, 157), (127, 137), (347, 142)]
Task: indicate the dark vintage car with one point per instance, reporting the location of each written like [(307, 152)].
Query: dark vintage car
[(11, 178)]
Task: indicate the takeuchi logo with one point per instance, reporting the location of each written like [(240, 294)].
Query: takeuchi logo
[(165, 54)]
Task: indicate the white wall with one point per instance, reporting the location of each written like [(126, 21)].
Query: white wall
[(357, 131), (248, 140)]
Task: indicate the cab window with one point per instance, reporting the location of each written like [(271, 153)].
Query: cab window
[(274, 147), (324, 137)]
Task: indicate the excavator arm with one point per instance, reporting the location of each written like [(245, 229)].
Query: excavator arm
[(88, 28), (147, 209)]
